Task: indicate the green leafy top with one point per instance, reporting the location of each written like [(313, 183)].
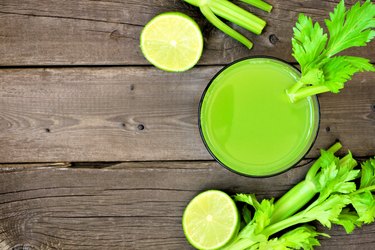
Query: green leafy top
[(303, 237), (350, 28), (368, 173), (315, 51), (334, 191), (348, 219), (363, 200), (262, 215)]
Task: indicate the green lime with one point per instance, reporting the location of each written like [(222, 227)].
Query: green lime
[(172, 41), (211, 220)]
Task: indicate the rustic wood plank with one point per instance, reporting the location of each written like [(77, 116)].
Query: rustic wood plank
[(140, 114), (129, 206), (106, 32)]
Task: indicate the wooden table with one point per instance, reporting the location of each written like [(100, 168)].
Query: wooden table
[(100, 150)]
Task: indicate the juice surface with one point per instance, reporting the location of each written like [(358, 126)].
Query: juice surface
[(248, 122)]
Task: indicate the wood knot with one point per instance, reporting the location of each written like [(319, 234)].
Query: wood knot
[(141, 127), (22, 247), (115, 34), (273, 39)]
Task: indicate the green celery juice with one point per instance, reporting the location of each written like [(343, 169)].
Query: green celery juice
[(248, 123)]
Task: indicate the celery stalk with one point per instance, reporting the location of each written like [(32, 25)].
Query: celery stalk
[(302, 193), (259, 4), (235, 14), (294, 200), (317, 52), (298, 94), (231, 12), (225, 28)]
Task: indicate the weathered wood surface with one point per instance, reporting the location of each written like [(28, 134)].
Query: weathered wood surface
[(126, 206), (140, 114), (85, 32), (108, 114)]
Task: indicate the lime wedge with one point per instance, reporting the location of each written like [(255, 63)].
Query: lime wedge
[(211, 220), (172, 41)]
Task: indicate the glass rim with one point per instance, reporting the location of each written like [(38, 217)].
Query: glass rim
[(204, 139)]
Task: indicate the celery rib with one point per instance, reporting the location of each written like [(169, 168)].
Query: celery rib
[(281, 225), (293, 200), (206, 11), (237, 15), (306, 92), (316, 166), (259, 4), (302, 193)]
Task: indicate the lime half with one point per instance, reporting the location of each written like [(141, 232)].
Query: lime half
[(211, 220), (172, 41)]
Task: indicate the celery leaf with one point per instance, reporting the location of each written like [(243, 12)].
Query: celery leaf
[(363, 200), (350, 28), (308, 43), (315, 51), (364, 204), (329, 210), (248, 199), (340, 69), (349, 220), (246, 214), (368, 173), (303, 237)]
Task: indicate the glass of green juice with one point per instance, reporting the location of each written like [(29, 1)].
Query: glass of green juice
[(247, 122)]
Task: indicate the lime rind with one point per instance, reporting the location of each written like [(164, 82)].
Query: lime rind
[(223, 227), (164, 30)]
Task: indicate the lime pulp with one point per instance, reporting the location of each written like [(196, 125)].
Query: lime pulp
[(211, 220), (172, 41)]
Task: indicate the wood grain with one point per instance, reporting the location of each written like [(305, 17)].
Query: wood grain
[(140, 114), (133, 113), (106, 32), (127, 206)]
